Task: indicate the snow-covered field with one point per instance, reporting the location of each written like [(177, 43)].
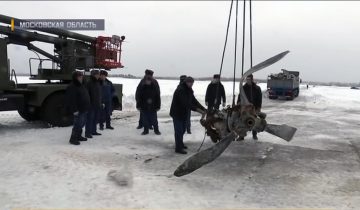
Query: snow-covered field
[(319, 168)]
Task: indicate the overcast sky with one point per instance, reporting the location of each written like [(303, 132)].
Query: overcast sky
[(175, 37)]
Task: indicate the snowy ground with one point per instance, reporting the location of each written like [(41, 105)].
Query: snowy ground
[(319, 168)]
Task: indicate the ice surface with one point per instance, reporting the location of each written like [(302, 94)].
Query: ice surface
[(319, 168)]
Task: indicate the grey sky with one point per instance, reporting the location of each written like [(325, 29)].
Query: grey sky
[(187, 37)]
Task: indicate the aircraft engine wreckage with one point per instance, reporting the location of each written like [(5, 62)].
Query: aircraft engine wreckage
[(231, 123)]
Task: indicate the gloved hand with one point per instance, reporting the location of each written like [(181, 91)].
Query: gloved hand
[(204, 111), (76, 113), (203, 114)]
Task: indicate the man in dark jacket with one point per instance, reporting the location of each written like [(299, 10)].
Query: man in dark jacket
[(254, 96), (188, 122), (215, 93), (108, 92), (78, 104), (182, 103), (94, 88), (149, 103), (148, 73)]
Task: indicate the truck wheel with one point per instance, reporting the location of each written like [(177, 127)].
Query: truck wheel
[(29, 116), (53, 111)]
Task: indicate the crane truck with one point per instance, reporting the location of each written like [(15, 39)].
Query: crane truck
[(44, 99)]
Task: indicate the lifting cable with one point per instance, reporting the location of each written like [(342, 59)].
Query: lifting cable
[(226, 38), (235, 47), (251, 42), (243, 41), (222, 59), (235, 51), (224, 49)]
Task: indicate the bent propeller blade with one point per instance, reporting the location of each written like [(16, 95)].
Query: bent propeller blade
[(282, 131), (262, 65), (204, 157)]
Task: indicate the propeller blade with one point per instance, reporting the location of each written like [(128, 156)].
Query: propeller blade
[(264, 64), (283, 131), (204, 157)]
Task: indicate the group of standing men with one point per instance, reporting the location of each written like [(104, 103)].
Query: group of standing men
[(90, 103), (148, 102)]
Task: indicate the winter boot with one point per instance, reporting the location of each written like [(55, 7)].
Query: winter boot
[(74, 140), (139, 127), (145, 132), (156, 131), (181, 151), (82, 138), (254, 133), (240, 139), (109, 127)]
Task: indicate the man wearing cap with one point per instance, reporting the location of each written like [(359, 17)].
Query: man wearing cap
[(94, 89), (182, 103), (254, 95), (148, 73), (188, 122), (149, 103), (108, 91), (215, 94), (77, 104)]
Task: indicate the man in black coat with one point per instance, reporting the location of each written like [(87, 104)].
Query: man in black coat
[(182, 103), (149, 103), (94, 89), (188, 122), (254, 96), (148, 73), (77, 103), (108, 91), (215, 94)]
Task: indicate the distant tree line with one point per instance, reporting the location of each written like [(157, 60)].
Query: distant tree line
[(130, 76)]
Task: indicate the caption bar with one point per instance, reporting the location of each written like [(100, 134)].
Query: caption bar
[(67, 24)]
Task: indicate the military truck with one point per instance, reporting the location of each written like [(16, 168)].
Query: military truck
[(285, 84), (44, 100)]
